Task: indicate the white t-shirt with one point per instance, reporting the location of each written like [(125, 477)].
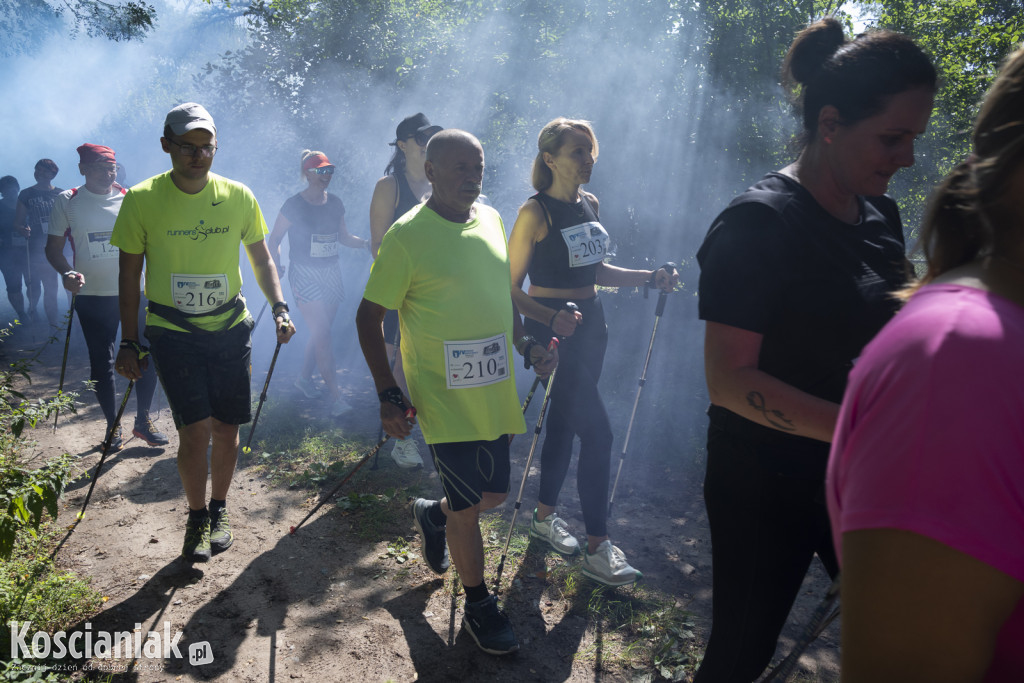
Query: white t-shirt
[(88, 219)]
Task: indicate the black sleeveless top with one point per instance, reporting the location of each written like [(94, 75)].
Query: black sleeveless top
[(576, 242), (313, 236), (406, 197)]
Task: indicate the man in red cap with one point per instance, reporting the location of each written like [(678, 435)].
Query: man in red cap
[(86, 214), (30, 222)]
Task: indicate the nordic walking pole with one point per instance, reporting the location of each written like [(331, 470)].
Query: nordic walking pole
[(263, 398), (64, 363), (526, 470), (662, 298), (394, 359), (526, 403), (409, 414), (818, 623), (106, 445)]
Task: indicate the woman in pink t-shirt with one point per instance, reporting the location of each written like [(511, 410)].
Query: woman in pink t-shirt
[(926, 475)]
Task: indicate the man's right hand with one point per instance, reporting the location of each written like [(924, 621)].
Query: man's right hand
[(397, 424), (73, 281), (128, 364)]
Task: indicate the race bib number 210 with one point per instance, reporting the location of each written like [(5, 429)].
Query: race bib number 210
[(476, 363)]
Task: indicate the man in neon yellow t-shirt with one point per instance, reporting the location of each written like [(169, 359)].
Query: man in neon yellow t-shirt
[(186, 226), (444, 267)]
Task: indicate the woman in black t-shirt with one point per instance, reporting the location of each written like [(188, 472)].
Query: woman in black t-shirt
[(558, 239), (403, 186), (797, 274), (314, 221)]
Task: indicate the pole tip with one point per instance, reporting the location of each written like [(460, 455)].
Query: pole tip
[(246, 450), (291, 531)]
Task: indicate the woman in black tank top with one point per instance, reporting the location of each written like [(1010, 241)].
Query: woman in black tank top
[(314, 221), (403, 186), (558, 239)]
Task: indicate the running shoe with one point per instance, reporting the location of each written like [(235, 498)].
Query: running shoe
[(608, 566), (490, 627), (406, 453), (340, 407), (307, 387), (555, 532), (116, 442), (433, 543), (221, 537), (148, 432), (197, 540)]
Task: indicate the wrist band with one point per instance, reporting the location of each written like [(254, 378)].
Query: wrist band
[(132, 345), (527, 361), (393, 395), (551, 323), (280, 305), (522, 342)]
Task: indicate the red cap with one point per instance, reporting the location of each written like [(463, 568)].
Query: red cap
[(315, 161), (90, 154)]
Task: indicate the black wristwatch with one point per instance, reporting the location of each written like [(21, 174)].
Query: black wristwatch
[(280, 306)]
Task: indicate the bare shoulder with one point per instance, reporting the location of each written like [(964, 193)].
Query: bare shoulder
[(592, 198)]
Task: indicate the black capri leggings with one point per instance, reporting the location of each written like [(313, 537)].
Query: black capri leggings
[(576, 409)]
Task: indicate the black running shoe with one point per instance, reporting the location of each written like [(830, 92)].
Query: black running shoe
[(197, 540), (116, 442), (490, 627), (221, 537), (433, 544)]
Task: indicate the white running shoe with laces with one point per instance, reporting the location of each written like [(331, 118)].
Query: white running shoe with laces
[(608, 566), (406, 453), (555, 532)]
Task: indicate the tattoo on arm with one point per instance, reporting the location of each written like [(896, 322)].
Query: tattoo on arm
[(775, 418)]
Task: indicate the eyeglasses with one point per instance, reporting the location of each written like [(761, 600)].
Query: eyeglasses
[(323, 170), (206, 151)]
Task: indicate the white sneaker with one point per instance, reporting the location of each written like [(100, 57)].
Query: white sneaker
[(306, 386), (555, 532), (340, 407), (608, 566), (406, 453)]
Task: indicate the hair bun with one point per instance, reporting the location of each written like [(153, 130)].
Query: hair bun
[(813, 47)]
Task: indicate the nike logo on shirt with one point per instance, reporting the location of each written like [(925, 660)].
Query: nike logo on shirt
[(216, 203)]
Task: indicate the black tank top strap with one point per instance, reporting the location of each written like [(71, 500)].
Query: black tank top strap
[(405, 199)]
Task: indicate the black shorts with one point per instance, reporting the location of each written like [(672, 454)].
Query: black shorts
[(468, 469), (204, 375)]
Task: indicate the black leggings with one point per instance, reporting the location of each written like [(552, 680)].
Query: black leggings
[(768, 518), (576, 409), (100, 318)]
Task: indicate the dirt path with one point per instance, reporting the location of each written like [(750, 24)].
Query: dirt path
[(329, 604)]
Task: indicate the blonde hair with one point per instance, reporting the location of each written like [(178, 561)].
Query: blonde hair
[(970, 210), (550, 140), (307, 153)]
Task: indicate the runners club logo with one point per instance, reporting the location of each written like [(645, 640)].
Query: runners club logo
[(200, 232)]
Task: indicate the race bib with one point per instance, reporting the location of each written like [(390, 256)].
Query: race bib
[(587, 243), (476, 363), (197, 294), (323, 246), (100, 246)]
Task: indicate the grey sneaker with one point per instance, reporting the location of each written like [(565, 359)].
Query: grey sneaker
[(555, 532), (197, 541), (608, 566), (433, 542), (148, 432), (490, 627), (221, 537)]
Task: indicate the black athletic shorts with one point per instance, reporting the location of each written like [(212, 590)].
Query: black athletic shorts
[(204, 375), (468, 469)]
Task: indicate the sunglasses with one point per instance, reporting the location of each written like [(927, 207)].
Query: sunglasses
[(323, 170), (422, 138)]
